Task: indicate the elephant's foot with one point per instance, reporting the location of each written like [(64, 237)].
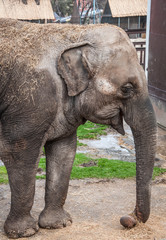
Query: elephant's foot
[(129, 221), (54, 218), (20, 227)]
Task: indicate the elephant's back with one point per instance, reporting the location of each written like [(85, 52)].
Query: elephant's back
[(19, 41), (28, 42)]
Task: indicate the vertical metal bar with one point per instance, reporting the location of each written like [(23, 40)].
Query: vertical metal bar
[(141, 54), (118, 21), (99, 17), (128, 23), (144, 57), (94, 2), (139, 22), (147, 38)]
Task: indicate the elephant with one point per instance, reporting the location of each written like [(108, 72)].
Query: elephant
[(53, 78)]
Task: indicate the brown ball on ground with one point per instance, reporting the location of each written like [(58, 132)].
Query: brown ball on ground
[(128, 221)]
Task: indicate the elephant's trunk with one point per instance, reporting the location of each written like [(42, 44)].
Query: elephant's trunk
[(142, 121)]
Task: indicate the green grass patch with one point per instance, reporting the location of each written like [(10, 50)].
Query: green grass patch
[(42, 163), (104, 168), (3, 175), (91, 130), (80, 144), (41, 177), (158, 171)]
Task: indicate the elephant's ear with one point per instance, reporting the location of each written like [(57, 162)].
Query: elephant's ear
[(74, 67)]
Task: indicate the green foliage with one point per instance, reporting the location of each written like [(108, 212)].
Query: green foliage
[(91, 130)]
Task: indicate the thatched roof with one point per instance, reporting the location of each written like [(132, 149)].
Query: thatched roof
[(127, 8), (16, 9)]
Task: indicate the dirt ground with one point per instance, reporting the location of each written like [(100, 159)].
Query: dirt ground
[(96, 207)]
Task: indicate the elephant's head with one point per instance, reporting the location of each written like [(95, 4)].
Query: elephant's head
[(104, 76)]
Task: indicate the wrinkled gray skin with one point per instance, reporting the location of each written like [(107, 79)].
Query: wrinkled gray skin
[(52, 79)]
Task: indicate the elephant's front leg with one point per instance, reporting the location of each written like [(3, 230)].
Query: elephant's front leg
[(59, 160), (22, 171)]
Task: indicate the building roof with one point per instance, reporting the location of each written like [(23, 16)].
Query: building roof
[(16, 9), (127, 8)]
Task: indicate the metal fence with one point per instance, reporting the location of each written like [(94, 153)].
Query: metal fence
[(141, 49), (139, 45)]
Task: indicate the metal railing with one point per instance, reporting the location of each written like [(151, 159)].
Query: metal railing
[(141, 49), (135, 31), (140, 46)]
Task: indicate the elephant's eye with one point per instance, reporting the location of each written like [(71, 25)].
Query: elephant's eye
[(127, 88)]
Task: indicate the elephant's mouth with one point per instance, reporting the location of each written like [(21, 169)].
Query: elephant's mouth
[(113, 116), (117, 123)]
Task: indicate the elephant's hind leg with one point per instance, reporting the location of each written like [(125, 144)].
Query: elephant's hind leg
[(60, 155), (21, 171)]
